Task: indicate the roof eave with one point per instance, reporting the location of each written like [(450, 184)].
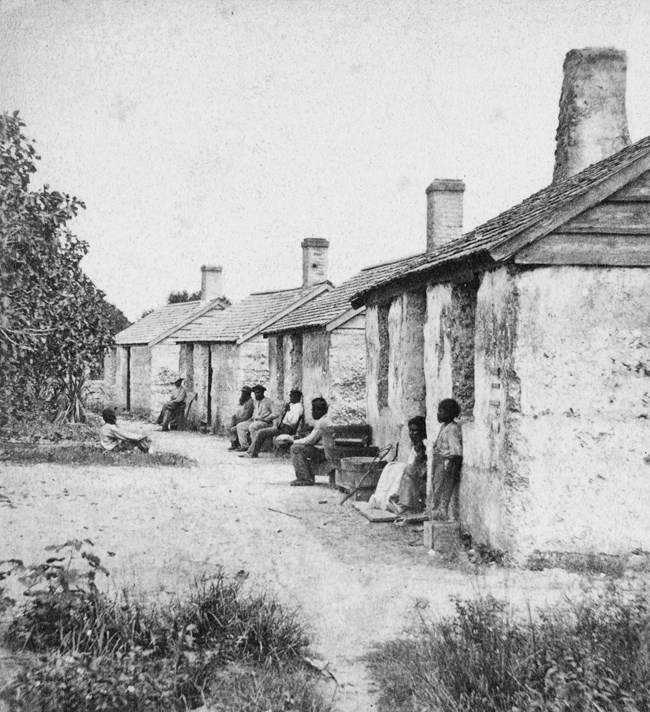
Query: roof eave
[(188, 320), (344, 318), (260, 328), (617, 180)]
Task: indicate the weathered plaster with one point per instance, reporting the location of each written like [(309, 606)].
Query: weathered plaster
[(121, 376), (186, 365), (276, 366), (254, 363), (583, 359), (140, 379), (490, 478), (164, 369), (201, 364), (315, 369), (406, 383), (406, 386), (347, 376), (226, 386), (293, 363)]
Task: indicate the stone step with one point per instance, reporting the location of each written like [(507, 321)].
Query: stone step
[(442, 537)]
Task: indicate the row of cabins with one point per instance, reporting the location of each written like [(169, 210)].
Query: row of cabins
[(537, 322)]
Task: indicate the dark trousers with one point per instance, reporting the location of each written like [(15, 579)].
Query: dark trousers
[(260, 437), (446, 481), (306, 459), (169, 412)]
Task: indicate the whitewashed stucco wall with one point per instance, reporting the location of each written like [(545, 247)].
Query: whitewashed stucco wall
[(406, 382), (583, 361), (165, 364)]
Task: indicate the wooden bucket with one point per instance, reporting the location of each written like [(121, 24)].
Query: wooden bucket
[(352, 472)]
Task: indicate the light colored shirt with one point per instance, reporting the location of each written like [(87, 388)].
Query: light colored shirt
[(179, 394), (316, 435), (293, 415), (263, 410), (110, 435), (449, 442)]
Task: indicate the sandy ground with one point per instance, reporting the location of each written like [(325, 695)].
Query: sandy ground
[(356, 582)]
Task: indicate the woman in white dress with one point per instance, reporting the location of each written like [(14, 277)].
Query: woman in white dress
[(402, 485)]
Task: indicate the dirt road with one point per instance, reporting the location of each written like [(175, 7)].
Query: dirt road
[(356, 582)]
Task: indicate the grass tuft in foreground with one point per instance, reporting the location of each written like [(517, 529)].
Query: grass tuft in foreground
[(224, 644), (593, 655)]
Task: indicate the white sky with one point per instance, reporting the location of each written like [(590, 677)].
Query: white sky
[(225, 132)]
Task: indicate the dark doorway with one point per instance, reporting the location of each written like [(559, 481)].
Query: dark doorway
[(209, 403), (128, 378)]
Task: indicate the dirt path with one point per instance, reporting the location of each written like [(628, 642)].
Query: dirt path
[(357, 583)]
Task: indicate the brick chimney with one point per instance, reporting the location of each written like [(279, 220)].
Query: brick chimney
[(211, 282), (314, 261), (593, 122), (444, 211)]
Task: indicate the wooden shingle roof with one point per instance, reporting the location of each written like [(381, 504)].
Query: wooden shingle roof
[(161, 320), (499, 238), (327, 307), (243, 318)]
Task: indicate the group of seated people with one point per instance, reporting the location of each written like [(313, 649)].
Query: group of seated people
[(402, 487), (256, 422)]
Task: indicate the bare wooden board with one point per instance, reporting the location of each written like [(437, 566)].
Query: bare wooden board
[(381, 515), (594, 249), (372, 514)]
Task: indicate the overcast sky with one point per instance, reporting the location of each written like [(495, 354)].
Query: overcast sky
[(213, 132)]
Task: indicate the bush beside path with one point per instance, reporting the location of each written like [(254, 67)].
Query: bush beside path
[(357, 583)]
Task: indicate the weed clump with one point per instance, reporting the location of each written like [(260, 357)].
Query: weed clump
[(91, 651), (591, 655)]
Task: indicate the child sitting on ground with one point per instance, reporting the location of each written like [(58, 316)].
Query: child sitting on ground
[(112, 437), (447, 458)]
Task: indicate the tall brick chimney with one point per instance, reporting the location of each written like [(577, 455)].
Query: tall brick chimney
[(211, 282), (593, 122), (314, 260), (444, 211)]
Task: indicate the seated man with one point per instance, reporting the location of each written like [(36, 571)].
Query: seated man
[(243, 413), (112, 437), (286, 424), (308, 452), (262, 418), (174, 406)]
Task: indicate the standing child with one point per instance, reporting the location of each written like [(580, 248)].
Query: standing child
[(447, 458)]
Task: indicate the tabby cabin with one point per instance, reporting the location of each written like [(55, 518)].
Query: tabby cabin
[(538, 323)]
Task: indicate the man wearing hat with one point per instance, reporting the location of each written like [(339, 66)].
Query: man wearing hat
[(174, 406), (262, 418), (285, 423), (243, 413)]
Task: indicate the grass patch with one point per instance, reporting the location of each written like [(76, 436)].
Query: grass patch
[(85, 454), (588, 656), (223, 645)]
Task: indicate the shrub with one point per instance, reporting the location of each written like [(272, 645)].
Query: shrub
[(591, 655), (95, 652)]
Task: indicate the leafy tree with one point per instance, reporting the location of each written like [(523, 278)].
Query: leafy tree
[(53, 320), (184, 296)]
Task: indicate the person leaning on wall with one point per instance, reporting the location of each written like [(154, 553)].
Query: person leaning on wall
[(447, 458)]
